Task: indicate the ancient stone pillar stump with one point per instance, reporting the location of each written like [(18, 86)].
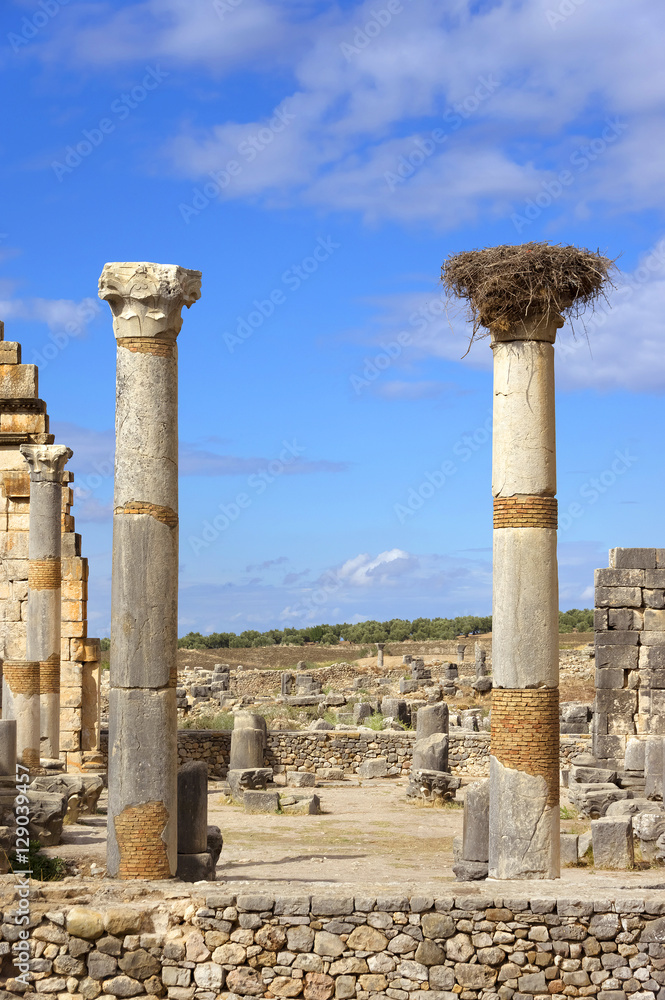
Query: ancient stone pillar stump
[(20, 701), (146, 301), (524, 761), (47, 463)]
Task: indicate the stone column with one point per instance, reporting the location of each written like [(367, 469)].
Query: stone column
[(524, 761), (379, 653), (460, 653), (146, 301), (47, 463), (20, 701)]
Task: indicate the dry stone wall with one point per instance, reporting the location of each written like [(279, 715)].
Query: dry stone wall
[(310, 751), (220, 945)]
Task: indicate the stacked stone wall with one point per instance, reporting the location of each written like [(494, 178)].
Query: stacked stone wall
[(629, 620), (308, 751), (221, 945)]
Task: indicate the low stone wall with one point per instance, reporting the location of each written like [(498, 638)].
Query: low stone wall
[(216, 945), (308, 751)]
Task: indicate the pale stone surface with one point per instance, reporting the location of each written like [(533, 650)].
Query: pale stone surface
[(146, 301), (476, 830), (524, 840), (613, 842)]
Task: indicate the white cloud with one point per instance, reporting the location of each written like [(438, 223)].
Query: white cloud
[(58, 314)]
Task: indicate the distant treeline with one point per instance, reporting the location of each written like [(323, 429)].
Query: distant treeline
[(395, 630)]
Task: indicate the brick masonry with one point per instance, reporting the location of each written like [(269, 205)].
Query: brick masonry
[(158, 346), (525, 733), (44, 574), (164, 514), (142, 851), (49, 675), (525, 512), (22, 676)]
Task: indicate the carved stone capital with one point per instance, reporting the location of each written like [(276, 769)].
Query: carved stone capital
[(146, 299), (46, 461)]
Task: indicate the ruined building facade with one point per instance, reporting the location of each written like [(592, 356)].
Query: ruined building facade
[(24, 420)]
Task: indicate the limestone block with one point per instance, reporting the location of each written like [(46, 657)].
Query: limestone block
[(309, 805), (616, 657), (47, 814), (70, 718), (71, 674), (619, 578), (301, 779), (470, 871), (70, 741), (74, 611), (14, 545), (86, 650), (569, 848), (192, 807), (19, 381), (246, 748), (18, 522), (656, 638), (652, 658), (395, 708), (215, 843), (654, 621), (10, 352), (632, 558), (432, 719), (71, 545), (74, 568), (373, 767), (261, 802), (653, 767), (71, 697), (74, 590), (654, 598), (609, 677), (476, 830), (24, 423), (74, 630), (618, 597), (613, 842), (431, 753)]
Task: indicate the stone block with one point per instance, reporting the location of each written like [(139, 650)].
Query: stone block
[(475, 835), (617, 657), (569, 843), (653, 767), (655, 578), (395, 708), (10, 352), (654, 621), (619, 705), (618, 637), (431, 753), (18, 381), (635, 754), (302, 805), (592, 775), (619, 578), (609, 678), (246, 748), (651, 658), (470, 871), (600, 620), (407, 686), (654, 599), (192, 808), (612, 839), (618, 597), (432, 719), (632, 558), (373, 767), (623, 619), (656, 638), (261, 802), (301, 779)]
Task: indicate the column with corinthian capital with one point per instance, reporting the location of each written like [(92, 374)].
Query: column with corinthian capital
[(146, 301)]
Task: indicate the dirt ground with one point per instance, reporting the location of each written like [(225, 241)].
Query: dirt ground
[(368, 836)]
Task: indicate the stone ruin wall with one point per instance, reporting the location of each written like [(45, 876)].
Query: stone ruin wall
[(23, 419), (630, 652), (303, 751), (351, 946)]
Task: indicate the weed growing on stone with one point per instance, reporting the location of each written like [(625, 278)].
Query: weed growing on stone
[(42, 868)]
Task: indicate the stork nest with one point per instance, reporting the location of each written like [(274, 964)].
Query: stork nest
[(508, 284)]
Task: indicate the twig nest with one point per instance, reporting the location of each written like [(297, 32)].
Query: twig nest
[(509, 284)]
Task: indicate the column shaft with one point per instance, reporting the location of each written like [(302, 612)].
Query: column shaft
[(20, 701), (46, 463), (146, 300), (524, 761)]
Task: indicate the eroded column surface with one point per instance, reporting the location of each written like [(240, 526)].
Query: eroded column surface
[(146, 301), (47, 463), (524, 761)]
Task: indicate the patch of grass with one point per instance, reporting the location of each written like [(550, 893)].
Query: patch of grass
[(568, 812), (223, 720), (374, 721), (42, 868)]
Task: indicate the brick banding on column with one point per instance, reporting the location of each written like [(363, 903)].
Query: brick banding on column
[(49, 675), (44, 574), (158, 346), (166, 515), (525, 733), (30, 758), (525, 512), (142, 851), (22, 676)]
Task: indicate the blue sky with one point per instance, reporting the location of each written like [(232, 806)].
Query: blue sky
[(317, 162)]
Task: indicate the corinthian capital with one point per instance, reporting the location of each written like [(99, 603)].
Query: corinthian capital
[(46, 461), (146, 299)]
